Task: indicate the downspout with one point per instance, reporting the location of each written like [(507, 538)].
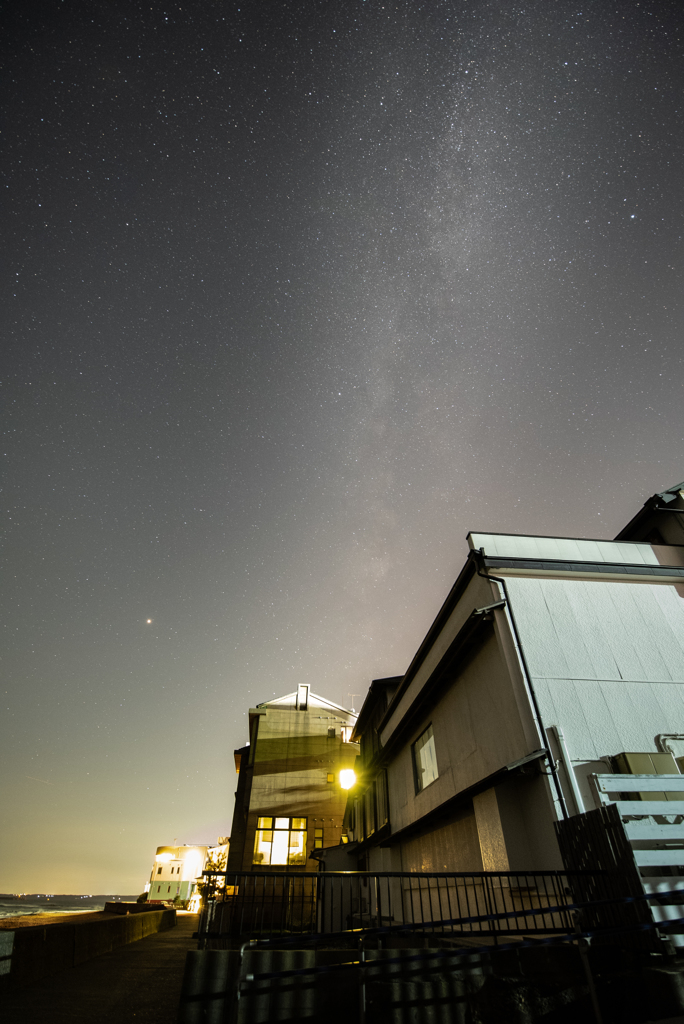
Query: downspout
[(528, 681), (569, 770)]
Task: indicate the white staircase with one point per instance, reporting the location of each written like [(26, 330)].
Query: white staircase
[(651, 808)]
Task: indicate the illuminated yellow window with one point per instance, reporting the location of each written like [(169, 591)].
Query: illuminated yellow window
[(262, 847), (318, 838), (331, 777), (296, 853), (280, 841)]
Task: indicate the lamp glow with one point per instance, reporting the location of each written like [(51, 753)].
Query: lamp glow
[(347, 778), (164, 857)]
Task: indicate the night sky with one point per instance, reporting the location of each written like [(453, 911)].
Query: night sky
[(295, 294)]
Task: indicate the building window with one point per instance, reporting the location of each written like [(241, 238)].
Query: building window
[(331, 732), (280, 841), (318, 838), (159, 871), (331, 777), (346, 732), (425, 759), (381, 802), (369, 810), (357, 823)]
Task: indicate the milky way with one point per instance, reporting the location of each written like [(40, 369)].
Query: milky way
[(295, 295)]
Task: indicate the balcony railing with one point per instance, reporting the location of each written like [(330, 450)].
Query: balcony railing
[(241, 906)]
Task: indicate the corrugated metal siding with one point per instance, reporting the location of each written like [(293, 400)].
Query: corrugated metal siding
[(606, 660), (564, 549)]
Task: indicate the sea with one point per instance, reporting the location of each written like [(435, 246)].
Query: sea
[(18, 905)]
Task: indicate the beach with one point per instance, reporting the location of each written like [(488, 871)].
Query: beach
[(30, 905)]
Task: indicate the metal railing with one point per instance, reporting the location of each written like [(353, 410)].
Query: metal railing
[(240, 906)]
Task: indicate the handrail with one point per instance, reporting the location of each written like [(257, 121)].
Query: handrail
[(245, 905), (403, 874)]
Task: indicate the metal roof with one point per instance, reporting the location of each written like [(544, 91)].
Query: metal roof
[(566, 549)]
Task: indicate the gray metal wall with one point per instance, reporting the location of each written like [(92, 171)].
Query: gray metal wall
[(606, 660)]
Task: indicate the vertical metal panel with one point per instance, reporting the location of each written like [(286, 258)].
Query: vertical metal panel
[(671, 639), (634, 611), (543, 652), (601, 713), (606, 659), (586, 617), (619, 725), (574, 643)]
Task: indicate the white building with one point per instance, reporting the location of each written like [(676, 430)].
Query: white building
[(177, 870)]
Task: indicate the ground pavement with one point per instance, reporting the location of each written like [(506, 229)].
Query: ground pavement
[(135, 984)]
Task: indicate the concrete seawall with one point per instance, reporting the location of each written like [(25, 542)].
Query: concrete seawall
[(30, 953)]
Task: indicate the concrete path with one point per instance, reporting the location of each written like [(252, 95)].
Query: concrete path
[(136, 984)]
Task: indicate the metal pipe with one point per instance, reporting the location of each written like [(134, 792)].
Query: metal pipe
[(569, 770)]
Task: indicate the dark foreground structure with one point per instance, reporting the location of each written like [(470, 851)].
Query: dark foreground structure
[(363, 976), (419, 984), (470, 948), (139, 982)]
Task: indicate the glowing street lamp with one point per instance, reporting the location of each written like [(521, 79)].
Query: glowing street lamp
[(347, 778)]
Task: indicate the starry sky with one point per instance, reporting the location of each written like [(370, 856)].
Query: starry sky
[(295, 293)]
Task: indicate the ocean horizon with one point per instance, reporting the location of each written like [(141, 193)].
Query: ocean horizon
[(23, 904)]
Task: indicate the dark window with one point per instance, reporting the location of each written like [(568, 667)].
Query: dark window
[(381, 801), (425, 759), (369, 810), (357, 819), (159, 871)]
